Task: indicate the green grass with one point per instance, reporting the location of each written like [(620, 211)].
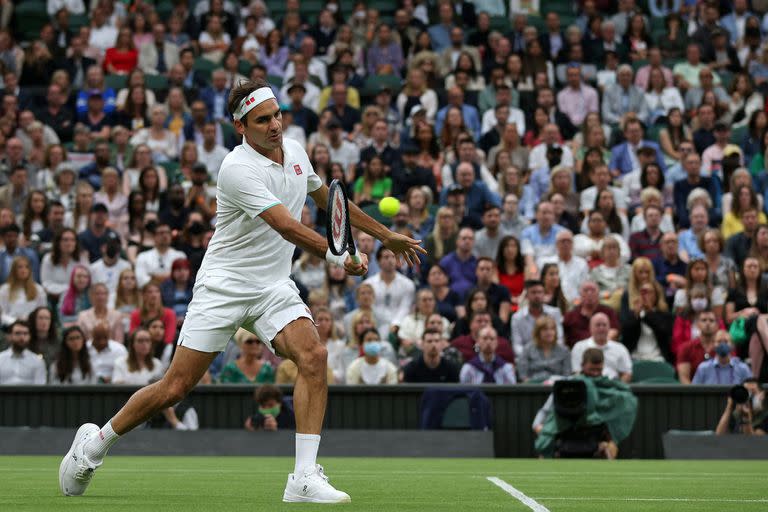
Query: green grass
[(138, 484)]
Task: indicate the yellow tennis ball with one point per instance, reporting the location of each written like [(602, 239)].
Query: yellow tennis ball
[(389, 206)]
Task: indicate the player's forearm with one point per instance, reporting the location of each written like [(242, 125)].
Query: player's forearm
[(364, 222), (301, 236)]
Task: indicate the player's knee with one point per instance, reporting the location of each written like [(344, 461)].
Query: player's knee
[(314, 360), (175, 390)]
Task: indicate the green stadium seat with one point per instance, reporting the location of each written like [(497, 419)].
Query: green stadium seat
[(642, 371), (739, 135), (204, 66), (373, 83), (244, 67), (29, 18), (172, 171), (76, 21), (275, 80), (116, 82), (156, 82)]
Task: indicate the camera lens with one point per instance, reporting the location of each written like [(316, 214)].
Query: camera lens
[(739, 394)]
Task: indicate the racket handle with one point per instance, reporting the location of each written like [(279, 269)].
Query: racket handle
[(355, 258)]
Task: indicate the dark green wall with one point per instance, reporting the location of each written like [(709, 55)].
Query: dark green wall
[(661, 408)]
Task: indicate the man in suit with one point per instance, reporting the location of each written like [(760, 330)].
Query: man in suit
[(216, 96), (57, 114), (448, 57), (624, 156), (622, 97), (193, 78), (553, 39), (158, 56)]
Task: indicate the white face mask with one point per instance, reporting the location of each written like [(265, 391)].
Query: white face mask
[(699, 304)]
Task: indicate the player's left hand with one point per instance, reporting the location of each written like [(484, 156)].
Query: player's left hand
[(356, 269), (405, 248)]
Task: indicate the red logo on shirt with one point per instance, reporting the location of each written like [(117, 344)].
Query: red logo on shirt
[(297, 168)]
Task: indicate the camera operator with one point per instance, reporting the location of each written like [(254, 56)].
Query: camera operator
[(744, 413)]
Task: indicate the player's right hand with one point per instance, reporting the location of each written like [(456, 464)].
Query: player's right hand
[(356, 269)]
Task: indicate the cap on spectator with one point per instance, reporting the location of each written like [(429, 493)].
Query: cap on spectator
[(333, 124), (417, 109), (720, 127), (409, 148), (112, 236), (732, 149), (297, 85), (99, 207), (455, 189)]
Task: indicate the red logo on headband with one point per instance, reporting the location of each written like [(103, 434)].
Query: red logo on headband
[(297, 168)]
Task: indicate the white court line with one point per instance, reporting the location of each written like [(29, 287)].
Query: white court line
[(522, 498), (606, 498)]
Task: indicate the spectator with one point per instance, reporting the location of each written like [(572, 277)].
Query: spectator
[(44, 339), (487, 239), (689, 239), (487, 367), (461, 263), (414, 324), (100, 312), (618, 363), (152, 307), (97, 233), (273, 413), (73, 363), (698, 273), (544, 359), (139, 367), (371, 368), (393, 291), (385, 56), (622, 97), (127, 297), (624, 156), (177, 289), (160, 140), (250, 367), (159, 55), (698, 350), (723, 369), (104, 352), (538, 240), (477, 302), (111, 196), (512, 223), (587, 244), (648, 241), (576, 324), (14, 194), (467, 343), (430, 366), (670, 270), (374, 184), (744, 199), (611, 275), (476, 193), (20, 295), (647, 333), (18, 364), (577, 99), (77, 297), (154, 265), (524, 319), (122, 58), (573, 269), (209, 152), (107, 270)]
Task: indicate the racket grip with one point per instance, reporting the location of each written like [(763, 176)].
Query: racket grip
[(355, 258)]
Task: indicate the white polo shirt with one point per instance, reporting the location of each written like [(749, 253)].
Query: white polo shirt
[(617, 358), (244, 248), (24, 368)]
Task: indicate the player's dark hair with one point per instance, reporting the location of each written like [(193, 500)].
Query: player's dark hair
[(267, 392), (240, 91)]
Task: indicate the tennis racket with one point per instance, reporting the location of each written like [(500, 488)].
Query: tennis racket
[(338, 228)]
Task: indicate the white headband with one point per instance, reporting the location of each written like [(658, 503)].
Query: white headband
[(259, 95)]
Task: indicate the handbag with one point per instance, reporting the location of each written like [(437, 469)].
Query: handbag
[(738, 330)]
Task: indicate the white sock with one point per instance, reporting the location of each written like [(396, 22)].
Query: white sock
[(97, 446), (306, 451)]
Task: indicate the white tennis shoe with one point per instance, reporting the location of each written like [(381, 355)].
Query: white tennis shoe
[(312, 487), (76, 471)]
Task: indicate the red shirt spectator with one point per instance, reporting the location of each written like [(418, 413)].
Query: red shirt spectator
[(121, 59)]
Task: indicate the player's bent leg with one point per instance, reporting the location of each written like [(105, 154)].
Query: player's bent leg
[(300, 342), (91, 443)]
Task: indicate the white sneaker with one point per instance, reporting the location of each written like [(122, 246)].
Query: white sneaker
[(312, 487), (76, 471)]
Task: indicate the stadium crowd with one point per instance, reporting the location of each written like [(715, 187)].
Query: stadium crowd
[(590, 176)]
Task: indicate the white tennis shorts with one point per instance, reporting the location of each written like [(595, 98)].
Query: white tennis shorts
[(218, 310)]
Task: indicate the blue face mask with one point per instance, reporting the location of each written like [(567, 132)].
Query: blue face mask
[(723, 350), (372, 348)]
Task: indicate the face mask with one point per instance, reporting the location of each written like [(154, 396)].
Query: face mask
[(359, 14), (723, 350), (272, 411), (699, 304), (372, 348)]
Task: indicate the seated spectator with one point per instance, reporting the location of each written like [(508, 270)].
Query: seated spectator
[(647, 333), (624, 156), (499, 301), (103, 353), (612, 275), (467, 343), (123, 57), (701, 349), (113, 198), (73, 363), (510, 267), (698, 274), (524, 319), (76, 298), (18, 364), (538, 240), (430, 366), (487, 367), (684, 329), (20, 295), (43, 335), (361, 322), (744, 198), (152, 307), (161, 141), (177, 289), (97, 233), (553, 290), (272, 413), (57, 266), (100, 312), (576, 326), (648, 241), (477, 301), (35, 215), (13, 249), (414, 324), (618, 363), (371, 368), (670, 270), (693, 180), (748, 301), (688, 239), (724, 369), (487, 239), (544, 358), (374, 184), (155, 264), (126, 297), (448, 303), (139, 367), (588, 243), (250, 367), (393, 292), (210, 153), (461, 263), (160, 350), (600, 177)]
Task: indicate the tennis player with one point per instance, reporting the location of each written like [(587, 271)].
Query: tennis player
[(244, 282)]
